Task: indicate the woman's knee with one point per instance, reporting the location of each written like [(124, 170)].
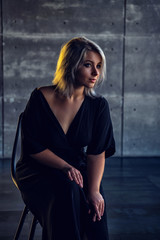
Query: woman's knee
[(72, 187)]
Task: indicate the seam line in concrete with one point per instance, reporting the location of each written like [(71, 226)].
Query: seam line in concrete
[(123, 79)]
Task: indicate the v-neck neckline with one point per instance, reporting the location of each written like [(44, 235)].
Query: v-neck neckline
[(75, 116)]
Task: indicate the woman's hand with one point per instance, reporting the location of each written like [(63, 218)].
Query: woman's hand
[(96, 201), (74, 175)]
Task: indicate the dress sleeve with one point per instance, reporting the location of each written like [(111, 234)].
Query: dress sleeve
[(32, 130), (102, 135)]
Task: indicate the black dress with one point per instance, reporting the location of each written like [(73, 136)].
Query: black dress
[(60, 204)]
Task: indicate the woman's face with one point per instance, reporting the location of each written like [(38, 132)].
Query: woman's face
[(89, 69)]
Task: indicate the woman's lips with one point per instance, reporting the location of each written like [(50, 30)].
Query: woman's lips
[(92, 80)]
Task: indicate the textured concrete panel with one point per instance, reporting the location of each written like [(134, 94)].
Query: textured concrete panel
[(143, 17), (142, 65), (63, 16), (28, 64), (141, 125), (13, 108), (141, 98)]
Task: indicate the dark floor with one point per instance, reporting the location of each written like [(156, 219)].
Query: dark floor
[(133, 200)]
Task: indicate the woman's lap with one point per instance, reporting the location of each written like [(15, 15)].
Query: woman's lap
[(59, 204)]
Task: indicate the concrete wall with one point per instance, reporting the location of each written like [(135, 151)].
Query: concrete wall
[(128, 31)]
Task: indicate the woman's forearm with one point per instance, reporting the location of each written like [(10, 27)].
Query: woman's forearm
[(95, 169), (50, 159)]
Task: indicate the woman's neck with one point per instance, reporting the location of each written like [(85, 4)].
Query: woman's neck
[(78, 92)]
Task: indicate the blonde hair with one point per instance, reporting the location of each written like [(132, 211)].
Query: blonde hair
[(70, 57)]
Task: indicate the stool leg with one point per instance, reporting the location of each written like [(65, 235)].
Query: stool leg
[(21, 222), (33, 228)]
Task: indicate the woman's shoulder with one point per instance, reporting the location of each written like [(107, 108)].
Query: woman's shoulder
[(39, 93), (98, 105), (98, 100), (47, 91)]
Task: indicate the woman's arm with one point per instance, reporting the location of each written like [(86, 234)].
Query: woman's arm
[(95, 169), (50, 159)]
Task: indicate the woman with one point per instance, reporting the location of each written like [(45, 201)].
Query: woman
[(66, 135)]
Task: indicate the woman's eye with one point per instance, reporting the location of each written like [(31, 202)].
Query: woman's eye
[(87, 64), (99, 66)]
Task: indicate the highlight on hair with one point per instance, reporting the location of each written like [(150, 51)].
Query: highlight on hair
[(70, 57)]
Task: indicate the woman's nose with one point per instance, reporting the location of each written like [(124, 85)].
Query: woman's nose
[(95, 71)]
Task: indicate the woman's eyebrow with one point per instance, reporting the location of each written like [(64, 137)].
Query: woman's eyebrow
[(92, 61)]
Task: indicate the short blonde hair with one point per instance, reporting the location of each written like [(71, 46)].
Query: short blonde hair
[(70, 57)]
